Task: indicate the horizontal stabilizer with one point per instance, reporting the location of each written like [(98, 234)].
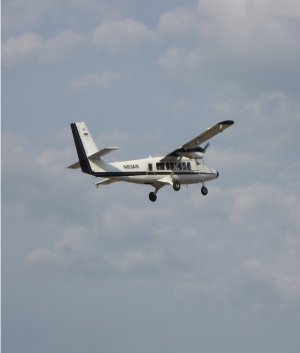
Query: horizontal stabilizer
[(74, 166), (102, 152), (95, 155), (105, 182)]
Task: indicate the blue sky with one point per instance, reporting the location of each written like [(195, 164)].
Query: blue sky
[(106, 270)]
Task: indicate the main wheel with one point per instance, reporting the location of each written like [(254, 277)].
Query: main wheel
[(204, 190), (176, 185), (152, 196)]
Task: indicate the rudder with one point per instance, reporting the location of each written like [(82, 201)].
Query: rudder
[(85, 145)]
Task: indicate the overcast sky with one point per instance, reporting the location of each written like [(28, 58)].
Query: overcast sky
[(86, 270)]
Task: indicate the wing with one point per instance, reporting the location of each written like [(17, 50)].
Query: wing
[(192, 149)]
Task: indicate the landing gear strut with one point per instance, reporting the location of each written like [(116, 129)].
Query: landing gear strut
[(204, 190)]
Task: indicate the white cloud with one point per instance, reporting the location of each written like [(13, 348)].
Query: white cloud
[(179, 62), (179, 22), (195, 260), (265, 204), (283, 268), (18, 15), (244, 42), (235, 249), (104, 80), (114, 36), (21, 16), (244, 21), (31, 47), (63, 45), (121, 35), (115, 241), (15, 50), (70, 250)]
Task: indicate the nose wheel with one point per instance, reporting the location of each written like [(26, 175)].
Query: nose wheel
[(204, 190)]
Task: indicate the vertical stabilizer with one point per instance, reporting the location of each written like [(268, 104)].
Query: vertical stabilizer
[(85, 145), (86, 138)]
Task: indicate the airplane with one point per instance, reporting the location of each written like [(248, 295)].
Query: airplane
[(179, 167)]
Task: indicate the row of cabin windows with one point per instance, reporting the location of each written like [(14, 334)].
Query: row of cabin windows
[(170, 166)]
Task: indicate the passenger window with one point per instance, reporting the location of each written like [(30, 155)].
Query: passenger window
[(183, 166), (168, 166), (160, 166), (172, 165), (179, 167), (188, 165)]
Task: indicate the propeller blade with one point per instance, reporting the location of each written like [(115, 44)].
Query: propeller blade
[(206, 146)]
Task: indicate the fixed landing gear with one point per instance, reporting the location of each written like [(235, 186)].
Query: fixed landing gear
[(152, 196), (204, 190), (176, 185)]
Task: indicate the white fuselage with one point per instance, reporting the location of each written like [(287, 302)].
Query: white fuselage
[(152, 169)]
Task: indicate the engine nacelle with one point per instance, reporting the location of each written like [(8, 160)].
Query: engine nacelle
[(192, 155)]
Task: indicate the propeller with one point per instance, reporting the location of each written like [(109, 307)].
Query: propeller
[(206, 146), (204, 150)]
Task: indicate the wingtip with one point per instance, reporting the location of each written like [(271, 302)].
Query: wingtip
[(226, 122)]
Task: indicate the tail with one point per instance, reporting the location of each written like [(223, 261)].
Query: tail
[(86, 148)]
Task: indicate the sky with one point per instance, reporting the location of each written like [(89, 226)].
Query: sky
[(87, 270)]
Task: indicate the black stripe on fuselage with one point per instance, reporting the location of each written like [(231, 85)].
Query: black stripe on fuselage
[(83, 160), (126, 174)]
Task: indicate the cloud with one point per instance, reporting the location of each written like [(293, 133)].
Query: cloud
[(121, 35), (225, 265), (257, 36), (179, 22), (179, 62), (18, 49), (113, 36), (72, 249), (265, 203), (104, 80), (181, 243), (87, 250), (62, 46), (115, 241), (17, 15), (31, 47), (282, 269)]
